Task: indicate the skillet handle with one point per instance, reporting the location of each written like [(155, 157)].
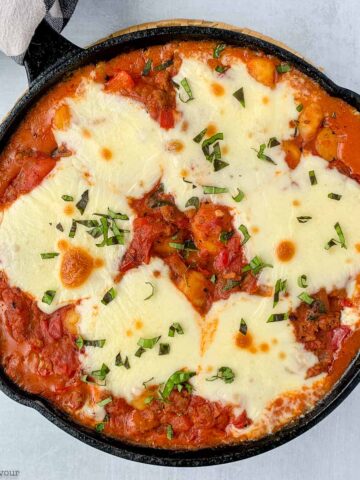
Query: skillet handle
[(46, 48)]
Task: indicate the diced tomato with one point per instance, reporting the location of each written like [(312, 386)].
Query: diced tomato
[(166, 119), (121, 81), (242, 420)]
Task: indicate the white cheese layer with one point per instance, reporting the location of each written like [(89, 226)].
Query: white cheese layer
[(140, 154)]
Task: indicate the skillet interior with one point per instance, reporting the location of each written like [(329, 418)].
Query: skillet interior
[(76, 57)]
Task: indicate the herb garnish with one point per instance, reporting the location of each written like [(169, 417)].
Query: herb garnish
[(256, 265), (147, 68), (169, 432), (221, 68), (239, 95), (46, 256), (48, 296), (302, 281), (164, 349), (341, 237), (280, 286), (185, 84), (240, 195), (82, 203), (152, 290), (211, 190), (67, 198), (200, 136), (245, 233), (334, 196), (218, 49), (299, 107), (243, 327), (193, 202), (164, 66), (303, 219), (120, 363), (312, 177), (277, 317), (225, 236), (223, 373), (305, 297), (175, 328), (261, 155), (230, 284), (109, 296), (178, 380), (283, 68), (148, 342), (273, 142), (104, 402)]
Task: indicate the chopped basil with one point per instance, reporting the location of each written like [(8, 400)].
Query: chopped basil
[(164, 66), (303, 219), (333, 241), (73, 229), (119, 362), (101, 374), (185, 84), (312, 177), (104, 402), (79, 342), (147, 68), (255, 265), (218, 49), (67, 198), (277, 317), (230, 284), (305, 297), (213, 278), (113, 215), (239, 95), (177, 380), (175, 328), (300, 107), (46, 256), (280, 286), (334, 196), (48, 296), (88, 223), (148, 342), (95, 343), (104, 231), (177, 246), (193, 202), (59, 227), (200, 136), (245, 233), (169, 432), (240, 195), (243, 327), (221, 68), (93, 379), (148, 400), (82, 203), (223, 373), (273, 142), (261, 155), (109, 296), (164, 349), (214, 156), (302, 281), (99, 427), (152, 290), (283, 68), (225, 236), (211, 190), (147, 381), (219, 164), (139, 352)]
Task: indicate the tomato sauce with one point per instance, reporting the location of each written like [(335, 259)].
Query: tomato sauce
[(200, 245)]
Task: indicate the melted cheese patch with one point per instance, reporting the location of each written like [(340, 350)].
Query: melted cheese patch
[(120, 152)]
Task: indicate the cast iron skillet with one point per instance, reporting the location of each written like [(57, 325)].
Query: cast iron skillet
[(48, 58)]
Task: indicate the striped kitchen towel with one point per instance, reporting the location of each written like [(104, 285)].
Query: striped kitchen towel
[(20, 18)]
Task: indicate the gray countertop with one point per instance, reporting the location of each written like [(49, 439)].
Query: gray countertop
[(327, 34)]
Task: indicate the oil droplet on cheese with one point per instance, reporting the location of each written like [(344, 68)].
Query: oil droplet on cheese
[(265, 100), (86, 133), (357, 247), (217, 89), (285, 250), (264, 347), (211, 129), (138, 324), (175, 146), (76, 267), (63, 245), (106, 153), (296, 203), (244, 341), (255, 229), (69, 209)]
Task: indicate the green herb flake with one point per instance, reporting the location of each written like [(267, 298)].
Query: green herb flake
[(139, 352), (67, 198), (82, 203), (334, 196), (193, 202), (73, 229), (213, 279), (152, 290), (104, 402), (200, 136), (46, 256), (312, 177), (169, 432), (109, 296), (341, 238), (179, 378), (240, 97), (79, 342), (101, 374), (99, 427), (280, 286), (147, 68), (48, 296), (243, 327), (225, 236), (218, 49), (148, 400), (273, 142), (283, 68), (211, 190), (261, 155), (230, 284), (277, 317), (148, 342), (164, 348), (256, 265), (95, 343), (303, 219), (164, 66), (302, 281), (300, 107), (240, 195), (224, 373), (175, 328), (246, 234), (306, 298), (59, 227), (221, 68), (185, 84), (119, 362)]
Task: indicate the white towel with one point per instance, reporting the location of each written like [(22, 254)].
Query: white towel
[(20, 18)]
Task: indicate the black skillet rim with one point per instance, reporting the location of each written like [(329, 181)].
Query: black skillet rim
[(162, 457)]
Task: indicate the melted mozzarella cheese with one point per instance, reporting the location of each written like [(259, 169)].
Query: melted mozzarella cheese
[(137, 156)]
